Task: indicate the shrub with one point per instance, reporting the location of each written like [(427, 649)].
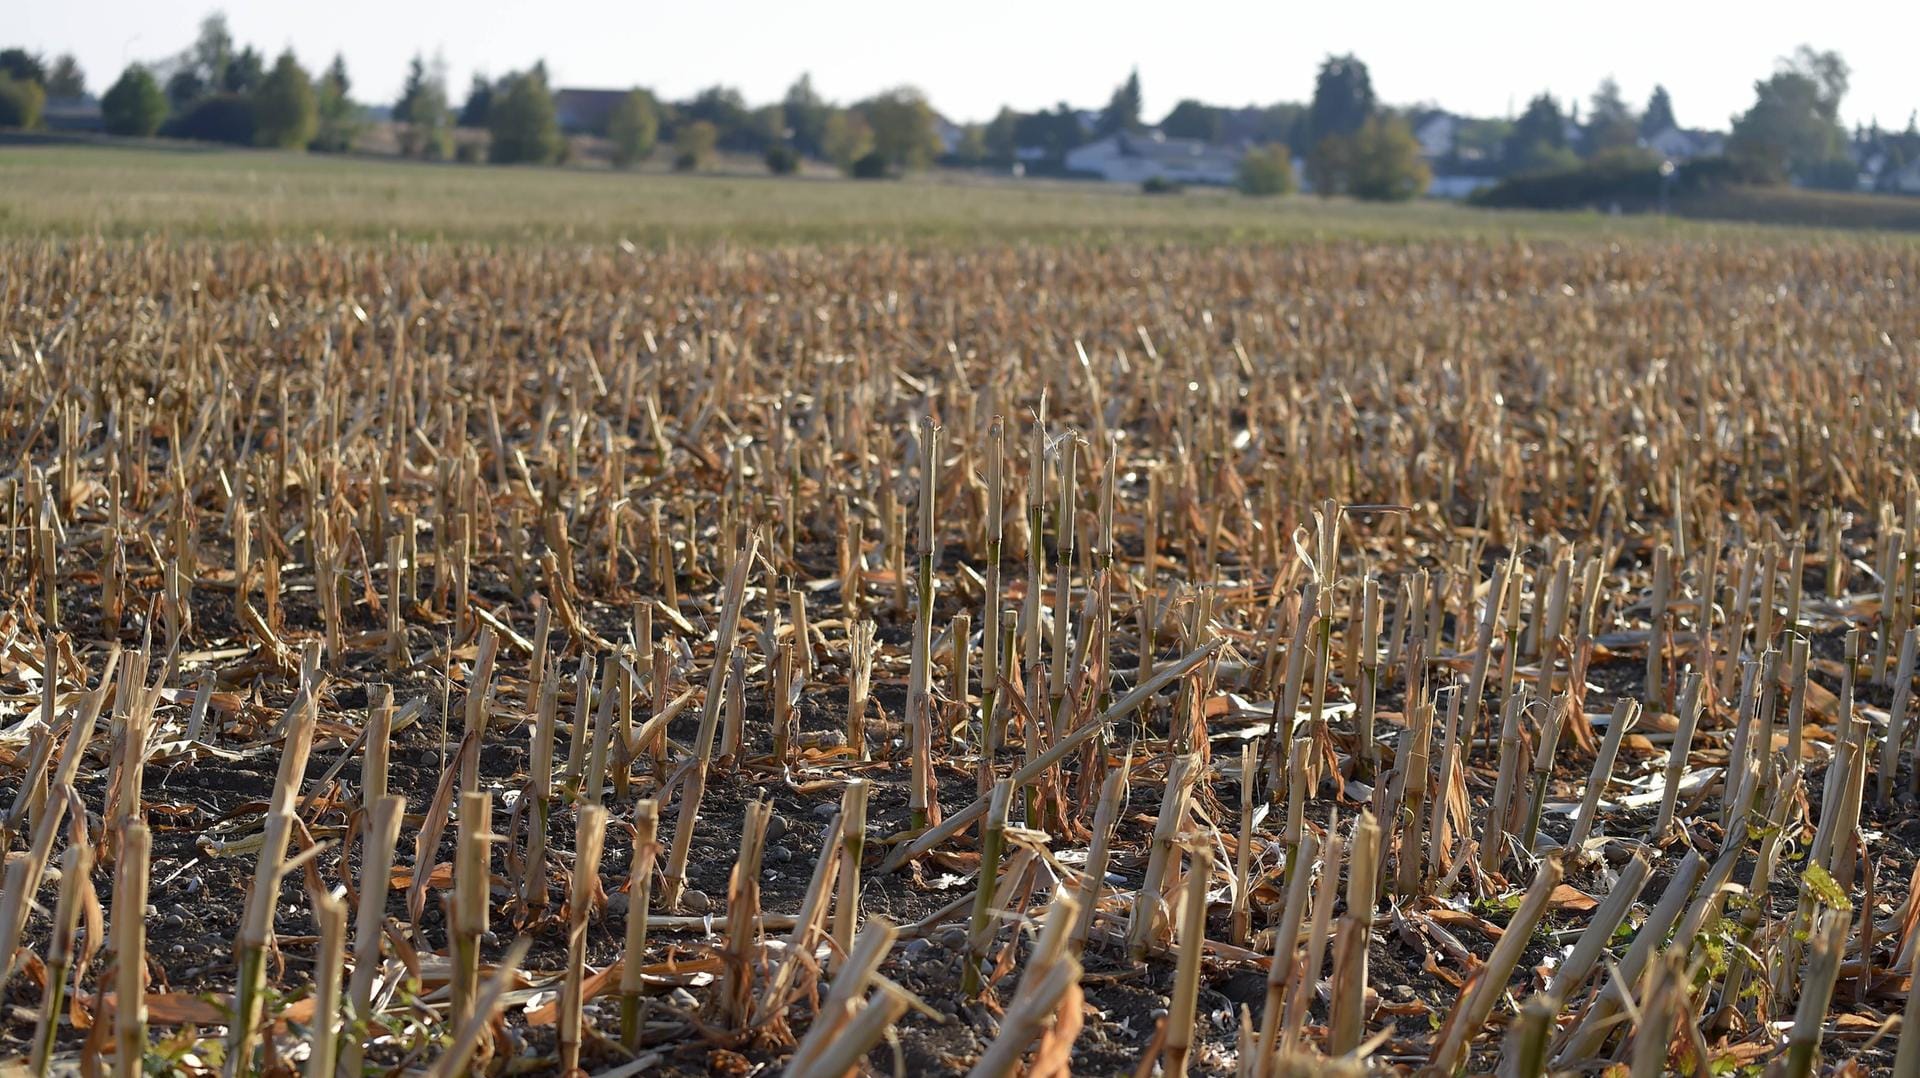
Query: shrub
[(20, 102), (693, 144), (220, 118), (1160, 185), (1386, 164), (871, 165), (782, 160), (134, 105), (1630, 179), (1266, 170), (633, 128)]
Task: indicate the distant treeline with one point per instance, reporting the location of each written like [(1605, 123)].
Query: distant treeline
[(1343, 140)]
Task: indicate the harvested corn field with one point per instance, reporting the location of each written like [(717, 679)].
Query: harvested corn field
[(1337, 658)]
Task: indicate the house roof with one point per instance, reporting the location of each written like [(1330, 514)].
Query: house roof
[(1158, 147)]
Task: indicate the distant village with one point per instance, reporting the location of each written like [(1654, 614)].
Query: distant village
[(216, 91)]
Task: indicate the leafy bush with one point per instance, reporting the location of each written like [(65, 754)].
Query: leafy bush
[(1629, 179), (1160, 185), (1266, 170), (694, 145), (20, 102), (871, 165), (220, 118), (781, 160)]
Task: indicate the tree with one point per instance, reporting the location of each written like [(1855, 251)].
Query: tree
[(726, 110), (1329, 164), (184, 87), (633, 127), (426, 124), (522, 122), (1123, 108), (1793, 127), (411, 90), (1266, 170), (1053, 133), (1538, 140), (1386, 165), (999, 135), (903, 128), (847, 138), (693, 145), (244, 73), (479, 103), (215, 118), (1659, 114), (1342, 99), (134, 105), (1192, 119), (284, 113), (66, 79), (971, 149), (1611, 124), (339, 116), (806, 114), (20, 102), (211, 51), (23, 66)]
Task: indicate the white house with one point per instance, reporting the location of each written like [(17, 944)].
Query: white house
[(1437, 134), (1677, 144), (1135, 158)]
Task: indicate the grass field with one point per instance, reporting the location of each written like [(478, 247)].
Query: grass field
[(241, 194)]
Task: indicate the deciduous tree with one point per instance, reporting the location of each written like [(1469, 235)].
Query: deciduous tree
[(633, 127), (134, 105), (284, 113)]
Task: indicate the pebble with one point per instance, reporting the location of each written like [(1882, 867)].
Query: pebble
[(780, 855), (776, 828), (617, 902), (1403, 991), (696, 901), (827, 810), (174, 920), (683, 999)]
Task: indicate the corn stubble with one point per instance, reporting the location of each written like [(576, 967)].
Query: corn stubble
[(1505, 657)]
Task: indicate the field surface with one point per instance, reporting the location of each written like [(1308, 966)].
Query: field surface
[(969, 631)]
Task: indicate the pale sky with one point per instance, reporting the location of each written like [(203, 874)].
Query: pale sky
[(1483, 57)]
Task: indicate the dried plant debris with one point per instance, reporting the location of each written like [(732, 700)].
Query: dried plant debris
[(1337, 659)]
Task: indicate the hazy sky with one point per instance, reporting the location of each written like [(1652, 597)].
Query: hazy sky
[(1484, 57)]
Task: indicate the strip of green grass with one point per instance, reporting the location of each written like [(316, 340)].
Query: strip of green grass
[(143, 191)]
